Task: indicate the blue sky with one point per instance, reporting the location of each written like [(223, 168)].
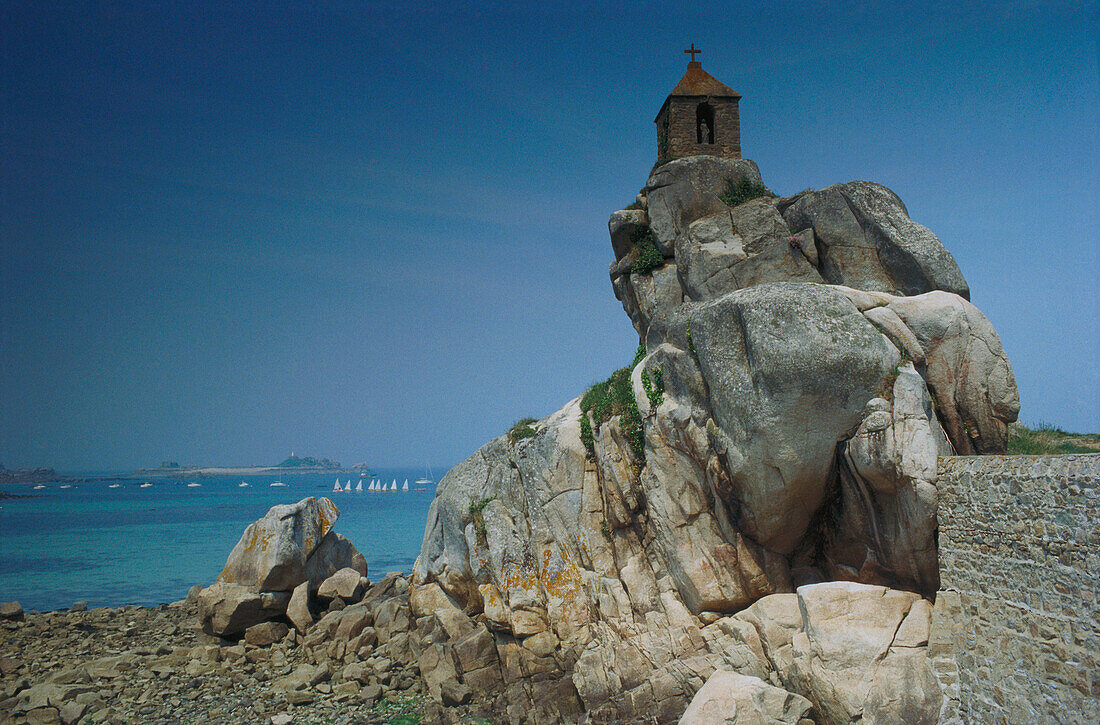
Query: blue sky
[(378, 232)]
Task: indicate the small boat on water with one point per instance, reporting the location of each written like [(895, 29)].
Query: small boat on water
[(359, 486), (347, 486), (278, 484), (336, 486), (373, 485), (428, 480), (242, 484), (194, 485), (393, 486), (146, 485), (114, 485), (405, 487), (66, 486), (39, 487), (421, 489)]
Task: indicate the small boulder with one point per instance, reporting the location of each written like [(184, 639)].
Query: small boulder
[(455, 692), (729, 698), (298, 609), (72, 711), (299, 697), (333, 554), (11, 611), (344, 584), (265, 634), (226, 609)]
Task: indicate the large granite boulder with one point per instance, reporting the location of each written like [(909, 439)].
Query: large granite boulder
[(966, 368), (729, 698), (867, 241), (862, 655), (687, 189), (274, 553), (293, 544)]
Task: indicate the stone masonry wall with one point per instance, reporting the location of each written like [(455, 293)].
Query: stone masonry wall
[(682, 129), (1016, 633)]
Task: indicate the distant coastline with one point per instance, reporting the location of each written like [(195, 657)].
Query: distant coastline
[(292, 466), (202, 471)]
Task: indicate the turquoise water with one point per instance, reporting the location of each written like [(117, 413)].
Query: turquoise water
[(133, 545)]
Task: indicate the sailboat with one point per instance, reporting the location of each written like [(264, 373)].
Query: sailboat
[(406, 486), (347, 486), (427, 480), (278, 484), (336, 486), (359, 486), (193, 485), (114, 485), (242, 484), (39, 487)]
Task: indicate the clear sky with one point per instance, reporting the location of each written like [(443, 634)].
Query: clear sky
[(377, 232)]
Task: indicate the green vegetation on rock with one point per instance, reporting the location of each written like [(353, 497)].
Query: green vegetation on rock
[(615, 397), (647, 257), (478, 519), (655, 387), (587, 437), (742, 190), (1046, 439), (521, 429)]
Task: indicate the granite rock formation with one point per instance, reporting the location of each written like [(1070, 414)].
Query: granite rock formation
[(291, 545), (815, 355)]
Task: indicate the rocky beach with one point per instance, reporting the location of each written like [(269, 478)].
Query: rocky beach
[(173, 664)]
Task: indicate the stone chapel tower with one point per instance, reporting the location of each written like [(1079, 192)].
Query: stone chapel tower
[(699, 117)]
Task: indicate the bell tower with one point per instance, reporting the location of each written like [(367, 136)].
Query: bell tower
[(699, 117)]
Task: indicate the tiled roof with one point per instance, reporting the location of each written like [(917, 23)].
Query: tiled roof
[(697, 82)]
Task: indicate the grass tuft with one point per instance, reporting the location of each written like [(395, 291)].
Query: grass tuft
[(738, 192), (1045, 439), (521, 429), (647, 257)]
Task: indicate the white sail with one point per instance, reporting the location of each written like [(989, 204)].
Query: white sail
[(336, 486), (405, 486), (359, 486), (347, 486), (371, 486)]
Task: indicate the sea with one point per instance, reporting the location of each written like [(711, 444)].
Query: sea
[(135, 545)]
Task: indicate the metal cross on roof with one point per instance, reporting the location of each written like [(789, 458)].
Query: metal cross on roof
[(693, 50)]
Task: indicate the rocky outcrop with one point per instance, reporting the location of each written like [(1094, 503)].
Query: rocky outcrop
[(293, 544), (779, 432), (856, 234)]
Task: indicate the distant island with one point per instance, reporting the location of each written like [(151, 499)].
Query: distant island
[(293, 464), (294, 461), (41, 474)]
